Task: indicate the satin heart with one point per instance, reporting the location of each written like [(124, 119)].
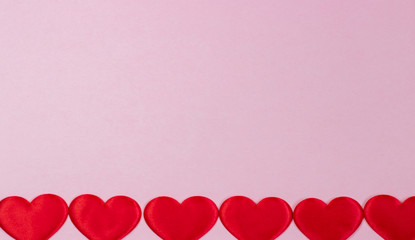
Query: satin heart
[(390, 218), (190, 220), (111, 220), (249, 221), (37, 220), (336, 221)]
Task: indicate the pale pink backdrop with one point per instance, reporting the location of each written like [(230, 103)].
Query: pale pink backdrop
[(293, 99)]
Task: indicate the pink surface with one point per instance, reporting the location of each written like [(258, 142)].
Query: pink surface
[(292, 99)]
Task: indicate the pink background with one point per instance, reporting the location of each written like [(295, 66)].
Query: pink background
[(293, 99)]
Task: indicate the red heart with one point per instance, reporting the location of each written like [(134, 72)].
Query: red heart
[(111, 220), (37, 220), (390, 218), (336, 221), (249, 221), (190, 220)]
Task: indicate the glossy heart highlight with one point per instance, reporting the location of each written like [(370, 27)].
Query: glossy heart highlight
[(99, 220), (337, 220), (189, 220), (247, 220), (36, 220), (390, 218)]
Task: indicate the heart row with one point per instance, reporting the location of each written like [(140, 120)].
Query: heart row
[(195, 216)]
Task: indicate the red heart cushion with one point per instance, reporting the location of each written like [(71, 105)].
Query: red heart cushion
[(390, 218), (249, 221), (111, 220), (190, 220), (336, 221), (37, 220)]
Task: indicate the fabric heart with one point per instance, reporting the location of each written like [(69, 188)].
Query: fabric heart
[(190, 220), (336, 221), (36, 220), (390, 218), (99, 220), (249, 221)]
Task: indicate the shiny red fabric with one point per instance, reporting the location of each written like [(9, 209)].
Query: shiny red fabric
[(99, 220), (190, 220), (247, 220), (36, 220), (337, 220), (390, 218)]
